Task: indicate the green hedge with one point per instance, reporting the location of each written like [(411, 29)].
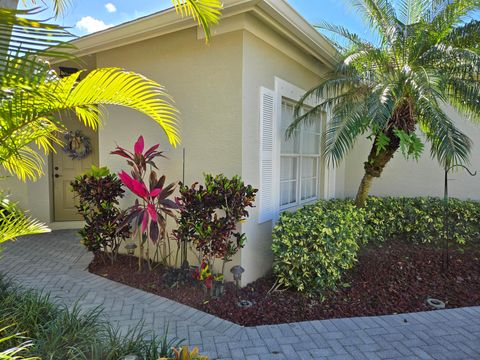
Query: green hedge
[(420, 220), (313, 246), (316, 244)]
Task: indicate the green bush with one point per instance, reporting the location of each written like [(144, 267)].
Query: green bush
[(421, 220), (316, 244)]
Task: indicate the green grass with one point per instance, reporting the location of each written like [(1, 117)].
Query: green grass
[(54, 332)]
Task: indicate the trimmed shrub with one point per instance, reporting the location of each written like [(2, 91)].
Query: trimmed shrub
[(421, 220), (316, 244)]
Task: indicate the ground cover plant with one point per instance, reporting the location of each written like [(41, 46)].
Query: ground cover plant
[(51, 331)]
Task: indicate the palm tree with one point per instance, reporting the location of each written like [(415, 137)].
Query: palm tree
[(31, 94), (426, 58)]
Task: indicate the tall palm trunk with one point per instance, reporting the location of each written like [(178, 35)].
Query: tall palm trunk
[(378, 158)]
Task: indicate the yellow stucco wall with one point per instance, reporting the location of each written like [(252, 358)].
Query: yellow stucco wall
[(263, 61), (206, 83)]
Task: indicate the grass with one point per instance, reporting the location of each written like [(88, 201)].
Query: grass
[(50, 332)]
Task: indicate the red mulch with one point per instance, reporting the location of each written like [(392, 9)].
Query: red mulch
[(394, 278)]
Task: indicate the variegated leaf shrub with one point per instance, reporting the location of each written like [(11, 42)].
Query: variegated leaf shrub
[(315, 245)]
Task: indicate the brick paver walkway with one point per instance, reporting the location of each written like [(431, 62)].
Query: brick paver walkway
[(56, 263)]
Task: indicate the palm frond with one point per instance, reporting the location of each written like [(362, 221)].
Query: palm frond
[(380, 15), (449, 145), (343, 32), (21, 37), (206, 12), (113, 86), (452, 15), (59, 6), (25, 163), (464, 95), (28, 112), (348, 121), (466, 36), (15, 223), (413, 11), (332, 89)]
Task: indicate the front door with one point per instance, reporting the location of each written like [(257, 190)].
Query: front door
[(69, 164)]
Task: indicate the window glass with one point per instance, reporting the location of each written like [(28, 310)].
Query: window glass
[(290, 146), (300, 159)]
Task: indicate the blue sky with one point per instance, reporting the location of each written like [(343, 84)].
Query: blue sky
[(86, 16)]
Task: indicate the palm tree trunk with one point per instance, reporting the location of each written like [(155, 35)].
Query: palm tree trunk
[(363, 190), (377, 160)]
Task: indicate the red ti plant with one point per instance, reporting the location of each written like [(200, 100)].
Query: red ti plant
[(152, 207)]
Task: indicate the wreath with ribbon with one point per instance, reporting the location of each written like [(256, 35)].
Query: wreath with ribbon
[(77, 145)]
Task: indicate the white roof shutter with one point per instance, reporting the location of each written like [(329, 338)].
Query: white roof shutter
[(267, 131)]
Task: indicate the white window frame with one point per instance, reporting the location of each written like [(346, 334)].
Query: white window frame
[(286, 90), (300, 156)]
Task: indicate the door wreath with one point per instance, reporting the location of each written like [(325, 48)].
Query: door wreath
[(77, 145)]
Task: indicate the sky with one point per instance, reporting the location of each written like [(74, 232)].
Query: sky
[(87, 16)]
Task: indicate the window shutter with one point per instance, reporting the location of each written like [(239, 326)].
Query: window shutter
[(267, 124)]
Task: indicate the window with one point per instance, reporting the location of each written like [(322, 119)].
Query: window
[(299, 160)]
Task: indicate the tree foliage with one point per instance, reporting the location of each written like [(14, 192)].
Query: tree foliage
[(426, 59)]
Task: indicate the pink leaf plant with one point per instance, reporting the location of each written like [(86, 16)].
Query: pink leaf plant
[(152, 207)]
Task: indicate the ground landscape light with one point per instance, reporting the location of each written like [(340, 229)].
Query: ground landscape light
[(131, 248), (237, 272)]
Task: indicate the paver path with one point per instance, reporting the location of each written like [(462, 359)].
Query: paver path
[(56, 263)]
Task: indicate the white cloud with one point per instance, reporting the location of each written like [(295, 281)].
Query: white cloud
[(111, 8), (91, 25)]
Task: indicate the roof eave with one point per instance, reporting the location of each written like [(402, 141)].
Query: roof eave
[(168, 21)]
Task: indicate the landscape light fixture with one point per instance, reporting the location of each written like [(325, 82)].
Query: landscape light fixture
[(131, 248), (237, 272)]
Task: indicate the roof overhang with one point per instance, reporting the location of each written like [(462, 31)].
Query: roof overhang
[(276, 13)]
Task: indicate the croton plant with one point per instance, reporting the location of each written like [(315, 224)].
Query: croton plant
[(210, 213), (153, 204), (98, 192)]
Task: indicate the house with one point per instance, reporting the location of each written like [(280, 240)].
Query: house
[(236, 97)]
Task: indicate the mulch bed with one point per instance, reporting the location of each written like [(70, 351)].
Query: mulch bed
[(395, 278)]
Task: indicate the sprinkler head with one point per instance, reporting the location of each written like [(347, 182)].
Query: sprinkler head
[(435, 304), (244, 304)]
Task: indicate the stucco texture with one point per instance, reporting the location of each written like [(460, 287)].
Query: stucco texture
[(263, 61)]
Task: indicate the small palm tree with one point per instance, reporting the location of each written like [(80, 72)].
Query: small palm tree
[(31, 94), (427, 58)]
